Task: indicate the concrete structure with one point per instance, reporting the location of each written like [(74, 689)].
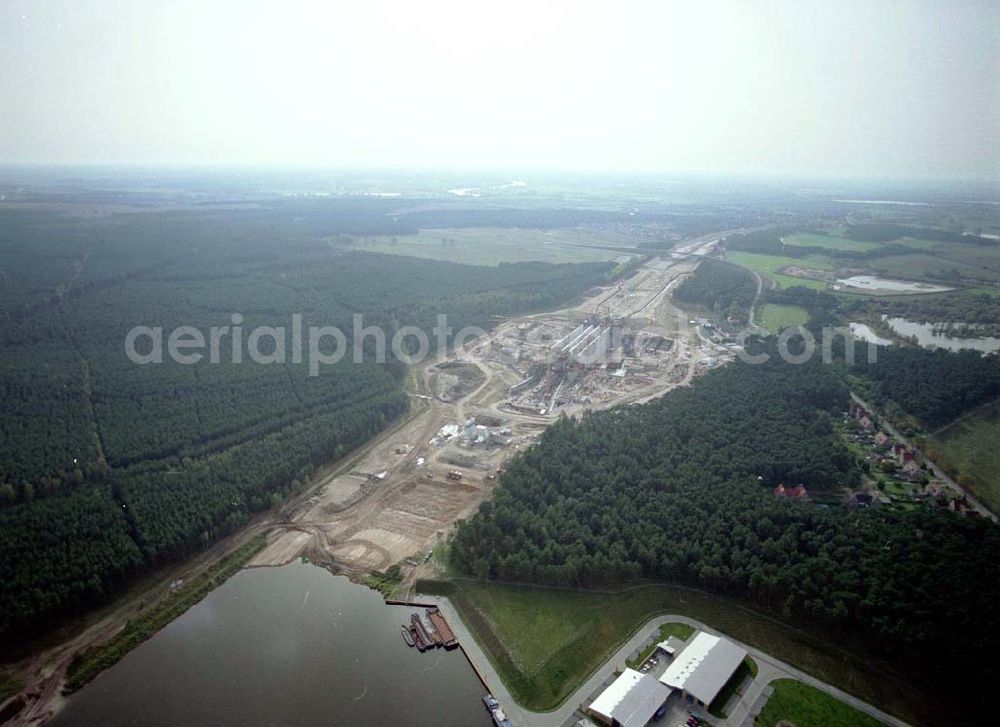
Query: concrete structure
[(560, 345), (703, 667), (671, 646), (630, 701), (481, 434), (602, 345)]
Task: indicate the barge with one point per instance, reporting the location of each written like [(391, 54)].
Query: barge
[(428, 630), (420, 636), (448, 639)]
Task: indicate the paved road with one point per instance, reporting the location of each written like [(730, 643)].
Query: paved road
[(769, 669), (756, 300), (938, 472)]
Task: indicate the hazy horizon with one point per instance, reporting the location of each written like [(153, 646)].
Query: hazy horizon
[(805, 90)]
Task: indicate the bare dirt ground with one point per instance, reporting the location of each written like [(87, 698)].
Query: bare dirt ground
[(392, 501), (395, 501)]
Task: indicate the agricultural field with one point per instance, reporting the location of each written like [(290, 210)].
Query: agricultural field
[(770, 265), (920, 243), (929, 267), (774, 317), (833, 242), (545, 642), (995, 291), (968, 447), (892, 251), (491, 246), (975, 255), (799, 704)]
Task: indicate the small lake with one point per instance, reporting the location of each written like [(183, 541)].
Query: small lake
[(874, 282), (864, 332), (283, 646), (932, 335)]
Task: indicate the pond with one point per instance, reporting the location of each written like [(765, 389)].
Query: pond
[(283, 646), (874, 282), (864, 332), (933, 335)]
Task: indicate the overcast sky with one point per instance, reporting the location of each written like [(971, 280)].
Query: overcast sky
[(869, 87)]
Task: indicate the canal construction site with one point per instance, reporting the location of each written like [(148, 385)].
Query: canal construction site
[(476, 407)]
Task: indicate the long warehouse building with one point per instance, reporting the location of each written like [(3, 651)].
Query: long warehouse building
[(632, 700), (703, 667)]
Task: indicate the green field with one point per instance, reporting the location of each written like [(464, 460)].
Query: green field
[(930, 260), (984, 289), (805, 706), (545, 642), (769, 265), (919, 243), (927, 266), (967, 449), (774, 317), (9, 685), (490, 246), (974, 255), (812, 239)]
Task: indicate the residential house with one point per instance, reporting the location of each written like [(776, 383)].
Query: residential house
[(911, 471), (797, 491)]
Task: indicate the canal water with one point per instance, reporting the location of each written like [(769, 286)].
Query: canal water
[(283, 646), (934, 335)]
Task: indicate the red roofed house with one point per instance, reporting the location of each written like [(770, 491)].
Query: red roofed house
[(881, 439), (797, 491), (866, 423)]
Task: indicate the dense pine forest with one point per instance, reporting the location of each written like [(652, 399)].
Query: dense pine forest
[(722, 288), (934, 386), (108, 468), (680, 490)]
